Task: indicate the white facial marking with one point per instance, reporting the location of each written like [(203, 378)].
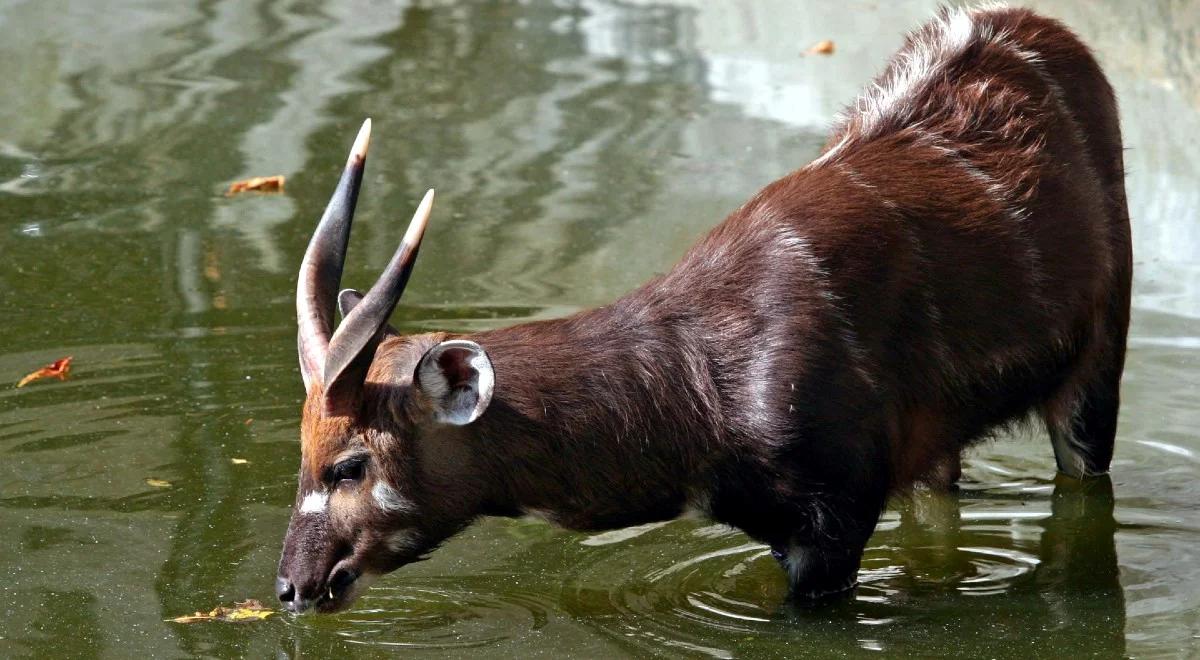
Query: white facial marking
[(402, 541), (389, 499), (315, 502)]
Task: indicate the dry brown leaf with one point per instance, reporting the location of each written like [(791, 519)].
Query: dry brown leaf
[(272, 184), (824, 47), (58, 369), (158, 483), (247, 610)]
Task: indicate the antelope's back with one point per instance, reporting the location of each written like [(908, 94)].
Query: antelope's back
[(970, 208)]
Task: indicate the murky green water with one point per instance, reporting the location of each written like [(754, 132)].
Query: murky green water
[(577, 148)]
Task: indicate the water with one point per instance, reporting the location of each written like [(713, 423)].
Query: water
[(578, 148)]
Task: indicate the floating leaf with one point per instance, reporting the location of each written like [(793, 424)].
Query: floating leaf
[(57, 369), (247, 610), (821, 48), (271, 184), (158, 483), (238, 461)]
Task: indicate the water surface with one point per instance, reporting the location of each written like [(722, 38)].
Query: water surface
[(578, 148)]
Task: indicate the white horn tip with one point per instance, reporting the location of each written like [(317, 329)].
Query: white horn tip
[(426, 204), (416, 228), (359, 150)]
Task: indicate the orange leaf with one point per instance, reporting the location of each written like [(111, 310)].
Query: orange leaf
[(821, 48), (58, 369), (271, 184)]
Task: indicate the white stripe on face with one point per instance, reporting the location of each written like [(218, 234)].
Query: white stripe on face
[(402, 541), (389, 499), (315, 502)]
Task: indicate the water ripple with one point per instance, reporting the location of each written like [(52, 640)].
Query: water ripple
[(439, 613)]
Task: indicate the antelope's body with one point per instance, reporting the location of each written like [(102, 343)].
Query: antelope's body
[(956, 259)]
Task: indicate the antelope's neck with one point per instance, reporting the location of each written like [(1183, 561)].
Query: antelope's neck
[(603, 419)]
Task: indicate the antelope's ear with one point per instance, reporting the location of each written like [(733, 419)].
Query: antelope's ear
[(457, 377), (348, 299)]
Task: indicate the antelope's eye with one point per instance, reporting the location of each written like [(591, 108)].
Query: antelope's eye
[(350, 469)]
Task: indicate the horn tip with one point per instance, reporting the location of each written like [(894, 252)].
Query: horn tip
[(359, 150), (416, 227)]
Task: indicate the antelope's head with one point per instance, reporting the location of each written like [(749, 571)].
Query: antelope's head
[(386, 471)]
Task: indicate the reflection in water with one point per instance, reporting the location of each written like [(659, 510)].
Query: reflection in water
[(1025, 599), (71, 621), (1079, 574), (537, 168), (578, 147)]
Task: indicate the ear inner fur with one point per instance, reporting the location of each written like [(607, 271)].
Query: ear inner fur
[(458, 378)]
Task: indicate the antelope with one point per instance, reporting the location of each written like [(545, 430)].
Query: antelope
[(955, 261)]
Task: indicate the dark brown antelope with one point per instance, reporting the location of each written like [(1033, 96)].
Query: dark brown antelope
[(957, 259)]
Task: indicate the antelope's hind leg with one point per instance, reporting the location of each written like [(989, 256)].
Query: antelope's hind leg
[(1082, 416)]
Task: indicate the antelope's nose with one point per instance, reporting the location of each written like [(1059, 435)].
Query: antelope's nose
[(293, 600), (285, 590)]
